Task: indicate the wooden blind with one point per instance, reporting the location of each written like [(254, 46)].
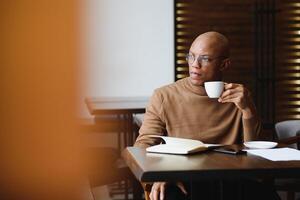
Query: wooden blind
[(231, 18), (288, 60), (265, 48), (265, 63)]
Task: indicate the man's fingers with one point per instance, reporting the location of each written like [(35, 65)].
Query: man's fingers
[(230, 92), (158, 191), (222, 99), (151, 195), (182, 188), (162, 191), (154, 192), (231, 85), (233, 100)]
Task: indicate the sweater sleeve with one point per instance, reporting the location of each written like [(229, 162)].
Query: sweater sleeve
[(153, 123), (252, 129)]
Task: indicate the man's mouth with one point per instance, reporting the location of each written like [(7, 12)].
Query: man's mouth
[(195, 75)]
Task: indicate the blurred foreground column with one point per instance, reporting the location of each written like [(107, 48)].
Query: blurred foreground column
[(39, 144)]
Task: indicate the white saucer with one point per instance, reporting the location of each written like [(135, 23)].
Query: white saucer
[(260, 144)]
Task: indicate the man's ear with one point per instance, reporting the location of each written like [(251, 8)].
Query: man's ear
[(225, 64)]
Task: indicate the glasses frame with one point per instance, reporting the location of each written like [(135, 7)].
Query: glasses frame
[(201, 59)]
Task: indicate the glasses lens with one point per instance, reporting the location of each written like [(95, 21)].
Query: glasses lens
[(189, 58)]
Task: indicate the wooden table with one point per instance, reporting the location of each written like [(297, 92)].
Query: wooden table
[(122, 107), (150, 167)]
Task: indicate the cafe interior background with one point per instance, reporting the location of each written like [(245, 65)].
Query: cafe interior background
[(55, 54)]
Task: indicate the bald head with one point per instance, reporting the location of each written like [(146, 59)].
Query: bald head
[(210, 58), (214, 41)]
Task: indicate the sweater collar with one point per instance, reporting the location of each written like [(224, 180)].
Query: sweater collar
[(195, 89)]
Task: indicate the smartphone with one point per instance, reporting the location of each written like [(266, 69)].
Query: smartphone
[(230, 149)]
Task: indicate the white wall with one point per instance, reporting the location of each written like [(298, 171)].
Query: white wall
[(128, 46)]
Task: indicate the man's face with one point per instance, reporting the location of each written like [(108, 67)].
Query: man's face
[(204, 62)]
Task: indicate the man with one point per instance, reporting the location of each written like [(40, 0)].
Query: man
[(183, 109)]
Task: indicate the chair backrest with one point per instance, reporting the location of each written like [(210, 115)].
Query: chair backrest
[(138, 119), (288, 128), (298, 144)]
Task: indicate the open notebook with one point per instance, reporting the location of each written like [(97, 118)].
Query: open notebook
[(175, 145)]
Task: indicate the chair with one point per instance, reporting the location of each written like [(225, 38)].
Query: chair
[(105, 166), (104, 124), (288, 132)]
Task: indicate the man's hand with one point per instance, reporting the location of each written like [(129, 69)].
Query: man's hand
[(158, 190), (240, 96)]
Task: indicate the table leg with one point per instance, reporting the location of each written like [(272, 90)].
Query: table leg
[(119, 117), (126, 195), (130, 130), (125, 131)]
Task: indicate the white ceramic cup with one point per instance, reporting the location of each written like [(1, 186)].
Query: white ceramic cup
[(214, 89)]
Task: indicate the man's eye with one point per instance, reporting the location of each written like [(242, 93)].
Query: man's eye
[(205, 59)]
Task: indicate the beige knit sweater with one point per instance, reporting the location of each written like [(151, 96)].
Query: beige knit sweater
[(184, 110)]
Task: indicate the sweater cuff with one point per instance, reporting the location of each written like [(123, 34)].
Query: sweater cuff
[(141, 145), (250, 128), (250, 121)]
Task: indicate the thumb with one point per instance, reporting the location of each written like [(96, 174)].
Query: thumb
[(181, 187)]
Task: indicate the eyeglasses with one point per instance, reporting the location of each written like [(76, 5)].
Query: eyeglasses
[(202, 59)]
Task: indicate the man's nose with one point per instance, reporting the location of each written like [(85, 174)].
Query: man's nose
[(196, 64)]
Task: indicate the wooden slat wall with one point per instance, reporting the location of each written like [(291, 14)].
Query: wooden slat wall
[(265, 13), (288, 60), (238, 21)]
